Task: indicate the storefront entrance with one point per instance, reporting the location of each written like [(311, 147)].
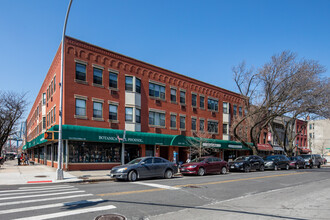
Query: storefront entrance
[(131, 152), (163, 152)]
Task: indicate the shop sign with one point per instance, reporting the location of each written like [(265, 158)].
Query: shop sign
[(211, 145), (235, 146)]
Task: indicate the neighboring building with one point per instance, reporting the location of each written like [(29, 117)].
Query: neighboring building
[(319, 137), (110, 98)]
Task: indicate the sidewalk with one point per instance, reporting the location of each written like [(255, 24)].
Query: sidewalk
[(12, 174)]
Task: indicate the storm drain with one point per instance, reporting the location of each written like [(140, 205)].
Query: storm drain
[(110, 217), (41, 176)]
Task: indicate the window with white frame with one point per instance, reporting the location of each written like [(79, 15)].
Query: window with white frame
[(113, 112), (212, 104), (193, 124), (156, 91), (97, 76), (225, 129), (182, 97), (137, 115), (201, 124), (97, 110), (234, 110), (201, 102), (113, 80), (137, 85), (156, 118), (182, 122), (225, 107), (80, 107), (173, 121), (194, 100), (212, 126), (129, 114), (173, 95), (129, 83), (80, 71)]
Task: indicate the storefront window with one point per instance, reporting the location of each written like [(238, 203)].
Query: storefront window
[(49, 147), (91, 152)]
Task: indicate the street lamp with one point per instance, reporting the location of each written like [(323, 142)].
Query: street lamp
[(59, 170)]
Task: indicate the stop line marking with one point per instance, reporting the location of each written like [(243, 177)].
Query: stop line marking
[(157, 185)]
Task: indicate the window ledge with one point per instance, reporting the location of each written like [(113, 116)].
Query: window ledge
[(182, 104), (173, 102), (173, 128), (113, 89), (157, 126), (97, 119), (113, 121), (156, 98), (81, 81), (182, 129), (98, 85), (80, 117)]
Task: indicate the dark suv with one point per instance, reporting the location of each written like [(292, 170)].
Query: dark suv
[(247, 163), (312, 160)]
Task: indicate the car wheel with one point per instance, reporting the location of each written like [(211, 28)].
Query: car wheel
[(168, 174), (223, 170), (275, 167), (246, 169), (201, 171), (297, 166), (132, 176), (262, 168), (287, 167)]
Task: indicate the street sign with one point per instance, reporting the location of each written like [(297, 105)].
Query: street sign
[(49, 135)]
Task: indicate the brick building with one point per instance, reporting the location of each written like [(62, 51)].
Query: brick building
[(109, 98)]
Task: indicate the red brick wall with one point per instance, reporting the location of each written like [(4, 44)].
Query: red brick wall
[(127, 66)]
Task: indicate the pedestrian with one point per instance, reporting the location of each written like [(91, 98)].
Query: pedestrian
[(27, 158), (18, 160)]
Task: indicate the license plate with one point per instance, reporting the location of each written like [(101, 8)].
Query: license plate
[(232, 167), (183, 169)]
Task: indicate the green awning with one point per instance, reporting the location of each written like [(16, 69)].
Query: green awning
[(83, 133)]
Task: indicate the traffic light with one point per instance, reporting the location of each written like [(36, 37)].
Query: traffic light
[(49, 135)]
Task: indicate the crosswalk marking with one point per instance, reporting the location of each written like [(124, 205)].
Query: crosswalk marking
[(23, 189), (25, 193), (45, 187), (45, 199), (67, 213), (157, 185), (40, 195), (49, 206)]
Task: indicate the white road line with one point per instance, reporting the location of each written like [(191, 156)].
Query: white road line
[(41, 195), (157, 185), (46, 187), (47, 191), (34, 189), (48, 206), (67, 213), (42, 200)]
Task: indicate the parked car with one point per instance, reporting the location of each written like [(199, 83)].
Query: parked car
[(204, 165), (247, 163), (10, 155), (297, 162), (312, 160), (275, 162), (144, 167)]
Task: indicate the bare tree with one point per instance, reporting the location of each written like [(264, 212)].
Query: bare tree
[(12, 107), (200, 144), (283, 86)]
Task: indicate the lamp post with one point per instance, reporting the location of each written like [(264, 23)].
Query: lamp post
[(59, 170)]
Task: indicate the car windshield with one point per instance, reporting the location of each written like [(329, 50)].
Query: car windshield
[(241, 158), (293, 158), (200, 159), (271, 158), (135, 161), (306, 156)]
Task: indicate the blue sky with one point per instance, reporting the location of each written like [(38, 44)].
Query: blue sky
[(200, 39)]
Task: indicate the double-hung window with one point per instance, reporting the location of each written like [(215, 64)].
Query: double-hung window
[(225, 107), (201, 124), (156, 118), (240, 112), (129, 83), (113, 80), (97, 110), (193, 124), (129, 114), (194, 100), (97, 76), (137, 115), (234, 110), (212, 104), (173, 121), (113, 112), (225, 129), (182, 97), (201, 102), (80, 71), (137, 85), (212, 126), (80, 107), (173, 95), (182, 122), (156, 91)]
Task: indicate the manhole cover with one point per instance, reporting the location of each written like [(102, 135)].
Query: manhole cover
[(111, 217), (41, 176)]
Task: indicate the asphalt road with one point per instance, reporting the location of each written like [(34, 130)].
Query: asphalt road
[(293, 194)]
